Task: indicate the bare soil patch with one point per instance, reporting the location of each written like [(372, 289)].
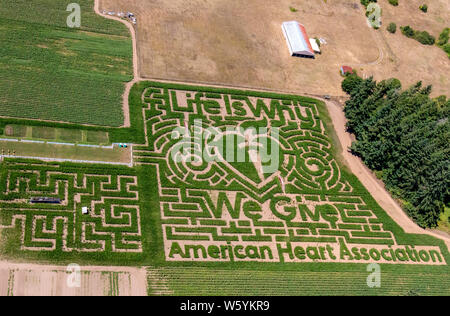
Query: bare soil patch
[(42, 280), (240, 43)]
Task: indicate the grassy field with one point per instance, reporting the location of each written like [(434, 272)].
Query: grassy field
[(52, 72), (65, 152), (57, 134), (203, 281)]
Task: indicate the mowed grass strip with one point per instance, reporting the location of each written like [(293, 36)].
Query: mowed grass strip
[(204, 281), (44, 132), (65, 152), (52, 72), (67, 135), (97, 137)]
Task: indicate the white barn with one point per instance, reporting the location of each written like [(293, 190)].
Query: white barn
[(297, 39)]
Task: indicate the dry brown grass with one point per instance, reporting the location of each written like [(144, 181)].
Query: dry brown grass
[(412, 60), (240, 43)]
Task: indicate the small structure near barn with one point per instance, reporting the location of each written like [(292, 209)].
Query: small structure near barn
[(45, 200), (297, 39), (314, 45), (346, 70)]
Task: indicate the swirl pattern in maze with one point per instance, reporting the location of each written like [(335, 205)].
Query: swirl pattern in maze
[(306, 199), (111, 194)]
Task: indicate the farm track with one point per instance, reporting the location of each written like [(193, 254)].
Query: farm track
[(377, 40), (137, 78)]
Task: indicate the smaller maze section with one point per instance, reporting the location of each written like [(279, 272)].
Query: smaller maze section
[(112, 224)]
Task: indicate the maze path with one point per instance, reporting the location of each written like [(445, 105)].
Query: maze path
[(209, 207), (205, 218), (113, 224)]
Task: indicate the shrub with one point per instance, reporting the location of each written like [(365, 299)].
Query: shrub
[(366, 2), (407, 31), (293, 9), (393, 2), (317, 41), (421, 36), (424, 8), (443, 37), (446, 48), (350, 83), (392, 28), (425, 38)]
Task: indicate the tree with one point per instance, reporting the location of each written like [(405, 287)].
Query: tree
[(407, 31), (351, 82), (392, 28), (424, 8), (393, 2), (366, 2), (424, 37), (404, 136), (447, 49), (443, 37)]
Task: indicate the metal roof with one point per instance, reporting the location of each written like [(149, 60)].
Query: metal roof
[(297, 39)]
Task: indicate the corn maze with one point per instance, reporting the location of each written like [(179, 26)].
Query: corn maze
[(236, 176), (226, 210), (112, 225)]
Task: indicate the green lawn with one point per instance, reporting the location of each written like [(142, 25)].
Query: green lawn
[(44, 132), (52, 72)]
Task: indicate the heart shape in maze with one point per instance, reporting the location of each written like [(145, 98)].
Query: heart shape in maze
[(252, 157)]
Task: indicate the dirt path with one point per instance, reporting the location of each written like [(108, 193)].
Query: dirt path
[(376, 38), (369, 181), (23, 279), (129, 85)]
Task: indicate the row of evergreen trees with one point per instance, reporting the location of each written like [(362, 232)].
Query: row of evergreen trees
[(405, 137)]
